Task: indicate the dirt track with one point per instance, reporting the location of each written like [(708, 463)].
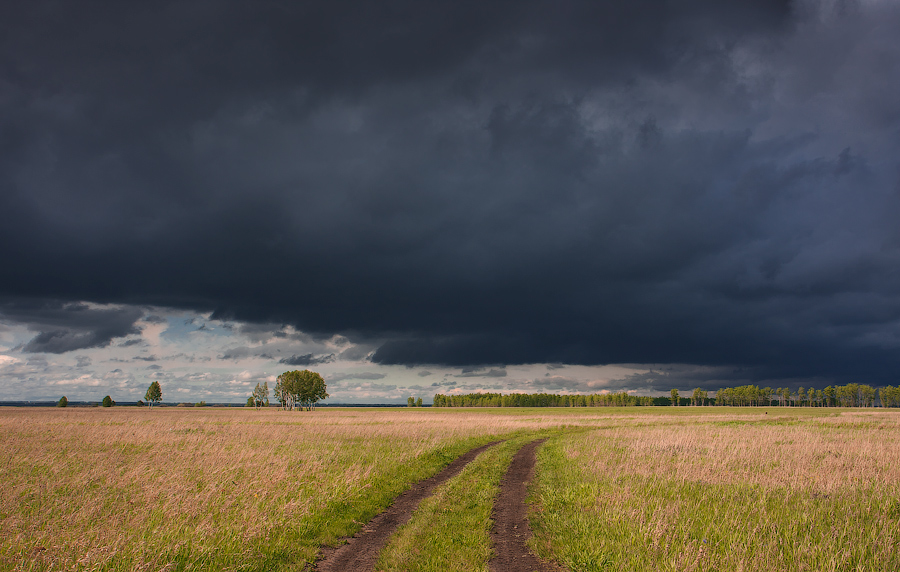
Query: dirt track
[(361, 551), (510, 515), (511, 529)]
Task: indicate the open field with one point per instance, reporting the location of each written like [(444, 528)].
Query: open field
[(617, 488), (212, 489), (774, 491)]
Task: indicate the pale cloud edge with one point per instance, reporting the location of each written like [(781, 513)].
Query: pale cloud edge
[(198, 358)]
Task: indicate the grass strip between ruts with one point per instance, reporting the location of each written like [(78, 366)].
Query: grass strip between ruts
[(450, 531)]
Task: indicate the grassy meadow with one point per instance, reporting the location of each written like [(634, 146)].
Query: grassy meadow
[(781, 489), (211, 489), (617, 488)]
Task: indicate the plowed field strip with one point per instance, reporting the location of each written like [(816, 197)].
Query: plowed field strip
[(361, 551)]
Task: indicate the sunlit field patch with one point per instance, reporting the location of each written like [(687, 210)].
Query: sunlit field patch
[(681, 488), (769, 491), (211, 489)]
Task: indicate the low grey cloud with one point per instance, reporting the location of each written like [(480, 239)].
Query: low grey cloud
[(685, 377), (261, 333), (242, 352), (70, 326), (360, 375), (83, 361), (307, 359), (482, 372), (424, 373), (355, 353)]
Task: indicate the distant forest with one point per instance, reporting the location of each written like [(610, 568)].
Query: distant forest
[(850, 395)]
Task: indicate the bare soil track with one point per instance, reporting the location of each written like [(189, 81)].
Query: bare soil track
[(360, 553), (511, 530)]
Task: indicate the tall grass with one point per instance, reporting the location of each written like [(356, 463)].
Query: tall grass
[(235, 489), (210, 489), (773, 492)]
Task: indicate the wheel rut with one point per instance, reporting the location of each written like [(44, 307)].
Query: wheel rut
[(361, 551), (511, 529)]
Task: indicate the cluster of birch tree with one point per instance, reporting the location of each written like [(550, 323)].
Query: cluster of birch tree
[(260, 396), (850, 395), (300, 389)]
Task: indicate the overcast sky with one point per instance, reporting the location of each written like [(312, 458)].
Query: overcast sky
[(421, 197)]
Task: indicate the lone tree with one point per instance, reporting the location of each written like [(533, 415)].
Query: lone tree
[(107, 402), (63, 402), (674, 397), (410, 401), (419, 402), (154, 394), (302, 389)]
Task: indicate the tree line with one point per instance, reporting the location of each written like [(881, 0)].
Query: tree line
[(544, 400), (294, 389), (850, 395), (153, 395)]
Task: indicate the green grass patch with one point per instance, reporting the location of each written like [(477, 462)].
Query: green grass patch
[(450, 531), (622, 521)]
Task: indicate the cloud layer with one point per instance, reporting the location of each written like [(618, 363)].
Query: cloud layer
[(463, 184)]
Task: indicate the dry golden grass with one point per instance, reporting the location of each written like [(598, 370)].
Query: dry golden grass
[(824, 455), (776, 491), (127, 488), (238, 489)]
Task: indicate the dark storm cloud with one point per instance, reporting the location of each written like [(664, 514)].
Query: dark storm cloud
[(470, 183), (65, 327)]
